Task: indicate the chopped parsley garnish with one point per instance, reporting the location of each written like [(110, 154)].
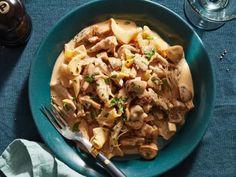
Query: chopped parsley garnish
[(150, 38), (162, 82), (119, 103), (106, 115), (75, 127), (89, 78), (94, 98), (156, 80), (66, 107), (114, 76), (149, 54), (124, 118), (107, 81), (165, 83), (74, 98)]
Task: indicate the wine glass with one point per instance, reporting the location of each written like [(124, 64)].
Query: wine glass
[(210, 14)]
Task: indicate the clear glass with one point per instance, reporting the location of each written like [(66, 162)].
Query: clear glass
[(210, 14)]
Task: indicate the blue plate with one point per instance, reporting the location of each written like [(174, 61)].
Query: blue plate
[(175, 31)]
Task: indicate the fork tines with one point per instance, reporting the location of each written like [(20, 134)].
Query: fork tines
[(54, 116)]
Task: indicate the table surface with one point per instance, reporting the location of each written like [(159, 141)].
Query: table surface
[(216, 153)]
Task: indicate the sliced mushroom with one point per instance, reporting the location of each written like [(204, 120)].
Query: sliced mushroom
[(148, 151), (175, 53), (136, 86), (137, 113), (185, 94)]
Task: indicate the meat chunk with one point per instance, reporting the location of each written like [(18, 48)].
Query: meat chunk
[(85, 34), (115, 63), (103, 90), (124, 49), (103, 67), (148, 151), (159, 101), (108, 44), (137, 113), (141, 62), (166, 129), (136, 86), (148, 130)]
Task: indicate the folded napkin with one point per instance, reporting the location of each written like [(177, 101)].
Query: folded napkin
[(24, 158)]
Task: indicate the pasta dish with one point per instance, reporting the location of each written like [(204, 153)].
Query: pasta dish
[(122, 86)]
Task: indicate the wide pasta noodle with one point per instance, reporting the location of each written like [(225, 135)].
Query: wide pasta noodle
[(122, 86)]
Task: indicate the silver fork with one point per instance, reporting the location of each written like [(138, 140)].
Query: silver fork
[(62, 127)]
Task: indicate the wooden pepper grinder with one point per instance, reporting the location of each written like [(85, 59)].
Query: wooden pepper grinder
[(15, 24)]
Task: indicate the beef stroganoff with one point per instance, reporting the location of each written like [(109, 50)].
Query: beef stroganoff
[(122, 86)]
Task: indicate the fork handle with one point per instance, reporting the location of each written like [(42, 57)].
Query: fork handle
[(109, 166)]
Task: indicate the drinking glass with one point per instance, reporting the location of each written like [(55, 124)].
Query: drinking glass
[(210, 14)]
